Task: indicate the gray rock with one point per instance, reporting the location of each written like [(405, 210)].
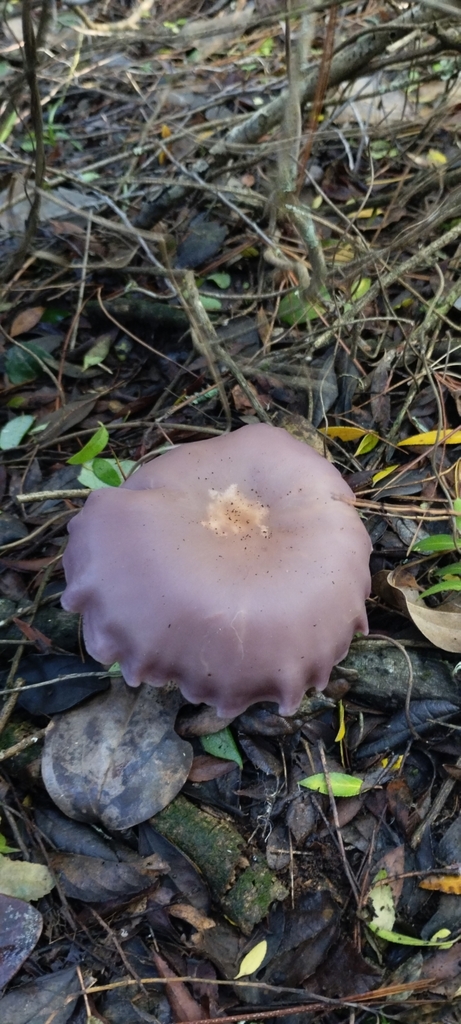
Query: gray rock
[(57, 625), (11, 528), (378, 674)]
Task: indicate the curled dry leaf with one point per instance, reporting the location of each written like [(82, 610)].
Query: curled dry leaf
[(193, 916), (441, 627), (117, 760)]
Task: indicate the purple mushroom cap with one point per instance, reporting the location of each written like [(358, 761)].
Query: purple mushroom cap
[(235, 567)]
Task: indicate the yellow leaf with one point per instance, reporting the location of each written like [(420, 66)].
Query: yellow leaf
[(344, 433), (432, 437), (383, 181), (383, 473), (442, 883), (344, 254), (253, 960), (365, 214), (436, 158), (165, 131), (342, 724)]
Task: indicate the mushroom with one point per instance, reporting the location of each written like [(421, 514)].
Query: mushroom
[(236, 567)]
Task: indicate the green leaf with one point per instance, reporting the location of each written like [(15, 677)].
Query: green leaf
[(13, 432), (28, 145), (105, 471), (380, 148), (88, 176), (4, 848), (221, 280), (432, 545), (88, 477), (448, 570), (54, 314), (222, 744), (341, 784), (294, 310), (91, 449), (175, 26), (266, 47), (8, 126), (360, 287), (98, 352), (438, 588), (209, 303), (407, 940), (253, 960), (457, 508), (367, 444), (21, 366)]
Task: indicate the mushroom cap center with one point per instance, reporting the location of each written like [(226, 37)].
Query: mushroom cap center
[(231, 512)]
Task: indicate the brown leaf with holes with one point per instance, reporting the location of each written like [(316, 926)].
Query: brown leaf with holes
[(442, 883)]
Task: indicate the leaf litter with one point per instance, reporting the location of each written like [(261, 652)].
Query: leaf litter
[(286, 858)]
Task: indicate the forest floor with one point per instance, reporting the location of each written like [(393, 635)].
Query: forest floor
[(216, 214)]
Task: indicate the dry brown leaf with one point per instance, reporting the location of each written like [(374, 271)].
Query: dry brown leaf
[(442, 971), (33, 634), (298, 426), (26, 320), (382, 588), (117, 760), (206, 767), (242, 402), (265, 327), (193, 916), (183, 1005), (441, 627), (393, 863)]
